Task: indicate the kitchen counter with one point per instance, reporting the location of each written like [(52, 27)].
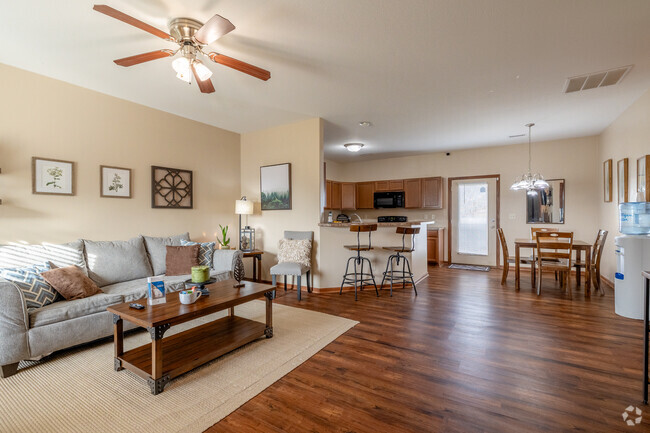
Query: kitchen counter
[(414, 223)]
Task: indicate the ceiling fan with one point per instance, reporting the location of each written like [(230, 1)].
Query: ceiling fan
[(191, 36)]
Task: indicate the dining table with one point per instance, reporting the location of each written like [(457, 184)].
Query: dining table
[(578, 247)]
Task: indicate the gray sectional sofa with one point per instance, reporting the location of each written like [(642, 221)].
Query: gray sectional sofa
[(119, 268)]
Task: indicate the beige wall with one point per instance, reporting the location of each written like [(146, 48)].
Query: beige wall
[(575, 160), (43, 117), (301, 145), (627, 137)]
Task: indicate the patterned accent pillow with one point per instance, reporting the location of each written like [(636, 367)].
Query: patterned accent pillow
[(295, 251), (38, 292), (206, 251)]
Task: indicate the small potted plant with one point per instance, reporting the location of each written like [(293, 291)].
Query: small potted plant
[(224, 242)]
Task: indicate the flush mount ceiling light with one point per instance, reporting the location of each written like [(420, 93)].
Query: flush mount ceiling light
[(365, 123), (530, 182), (353, 147)]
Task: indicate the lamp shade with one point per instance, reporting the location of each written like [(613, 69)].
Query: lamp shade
[(243, 207)]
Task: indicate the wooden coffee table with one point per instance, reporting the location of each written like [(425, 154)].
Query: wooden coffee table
[(164, 359)]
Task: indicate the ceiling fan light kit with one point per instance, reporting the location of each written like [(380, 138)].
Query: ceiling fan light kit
[(191, 36)]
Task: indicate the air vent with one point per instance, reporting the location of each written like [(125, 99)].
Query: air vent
[(596, 79)]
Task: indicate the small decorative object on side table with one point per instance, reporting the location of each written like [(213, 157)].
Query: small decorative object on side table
[(238, 270), (247, 239), (224, 242)]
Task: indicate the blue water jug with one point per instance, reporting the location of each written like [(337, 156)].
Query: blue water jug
[(634, 218)]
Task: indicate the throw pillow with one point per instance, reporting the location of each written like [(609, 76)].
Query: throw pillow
[(180, 260), (205, 254), (156, 249), (71, 282), (295, 251), (37, 292), (111, 262)]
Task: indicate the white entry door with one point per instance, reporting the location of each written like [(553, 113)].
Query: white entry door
[(474, 213)]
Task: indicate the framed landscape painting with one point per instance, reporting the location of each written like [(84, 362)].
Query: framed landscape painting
[(114, 182), (52, 176), (275, 186)]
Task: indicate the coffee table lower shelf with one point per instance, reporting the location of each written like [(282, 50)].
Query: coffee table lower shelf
[(187, 350)]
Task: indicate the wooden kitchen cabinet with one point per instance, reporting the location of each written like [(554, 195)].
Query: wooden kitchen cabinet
[(412, 193), (332, 194), (348, 195), (366, 195), (435, 246), (389, 185), (432, 193)]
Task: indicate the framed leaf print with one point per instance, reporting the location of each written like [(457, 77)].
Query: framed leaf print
[(607, 178), (622, 180), (114, 182), (52, 176)]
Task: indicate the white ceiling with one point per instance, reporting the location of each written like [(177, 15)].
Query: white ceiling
[(432, 75)]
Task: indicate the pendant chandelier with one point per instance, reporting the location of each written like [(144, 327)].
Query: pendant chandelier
[(530, 182)]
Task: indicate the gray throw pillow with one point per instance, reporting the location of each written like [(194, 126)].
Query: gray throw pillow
[(157, 252), (111, 262)]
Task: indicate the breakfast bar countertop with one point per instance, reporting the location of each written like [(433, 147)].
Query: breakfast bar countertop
[(414, 223)]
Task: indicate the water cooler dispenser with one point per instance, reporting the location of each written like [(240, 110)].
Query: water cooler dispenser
[(632, 257)]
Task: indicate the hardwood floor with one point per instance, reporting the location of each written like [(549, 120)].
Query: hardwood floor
[(466, 355)]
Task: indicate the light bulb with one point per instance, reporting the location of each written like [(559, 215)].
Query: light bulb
[(202, 71)]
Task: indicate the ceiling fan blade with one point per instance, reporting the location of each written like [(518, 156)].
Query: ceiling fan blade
[(244, 67), (114, 13), (216, 27), (206, 85), (146, 57)]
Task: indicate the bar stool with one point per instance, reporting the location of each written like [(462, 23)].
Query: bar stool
[(402, 276), (358, 277)]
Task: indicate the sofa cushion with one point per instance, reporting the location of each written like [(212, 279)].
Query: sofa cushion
[(36, 290), (206, 251), (71, 282), (112, 262), (66, 310), (156, 249), (60, 255), (180, 260)]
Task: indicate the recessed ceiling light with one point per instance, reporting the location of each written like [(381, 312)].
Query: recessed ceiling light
[(353, 147), (365, 123)]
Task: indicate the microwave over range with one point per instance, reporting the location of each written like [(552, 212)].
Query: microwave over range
[(391, 199)]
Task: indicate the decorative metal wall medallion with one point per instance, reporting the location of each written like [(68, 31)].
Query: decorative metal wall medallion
[(171, 188)]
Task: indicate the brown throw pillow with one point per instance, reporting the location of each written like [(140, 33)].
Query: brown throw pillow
[(71, 282), (179, 260)]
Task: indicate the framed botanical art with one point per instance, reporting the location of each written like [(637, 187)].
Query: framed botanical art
[(275, 186), (52, 176), (643, 178), (622, 180), (171, 188), (114, 182), (607, 178)]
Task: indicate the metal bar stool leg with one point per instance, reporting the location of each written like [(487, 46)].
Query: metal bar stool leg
[(391, 275), (372, 275), (381, 286), (347, 267), (355, 280), (411, 276)]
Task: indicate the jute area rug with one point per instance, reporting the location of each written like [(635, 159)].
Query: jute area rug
[(78, 390)]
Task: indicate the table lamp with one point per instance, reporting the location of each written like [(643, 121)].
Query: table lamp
[(243, 207)]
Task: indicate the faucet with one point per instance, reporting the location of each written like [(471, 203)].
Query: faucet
[(357, 215)]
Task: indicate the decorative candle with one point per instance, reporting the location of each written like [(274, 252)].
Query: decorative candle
[(200, 274)]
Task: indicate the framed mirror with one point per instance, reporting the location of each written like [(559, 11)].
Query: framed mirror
[(546, 205), (622, 179), (607, 179)]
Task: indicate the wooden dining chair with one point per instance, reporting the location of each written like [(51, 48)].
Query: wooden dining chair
[(507, 259), (596, 253), (554, 252), (535, 230)]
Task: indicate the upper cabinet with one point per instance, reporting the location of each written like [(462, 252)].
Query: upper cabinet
[(348, 195), (432, 193), (366, 195), (412, 193), (419, 193)]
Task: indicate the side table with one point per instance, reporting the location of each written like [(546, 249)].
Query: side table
[(257, 262)]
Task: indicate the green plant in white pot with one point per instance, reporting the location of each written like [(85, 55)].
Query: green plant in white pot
[(224, 242)]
